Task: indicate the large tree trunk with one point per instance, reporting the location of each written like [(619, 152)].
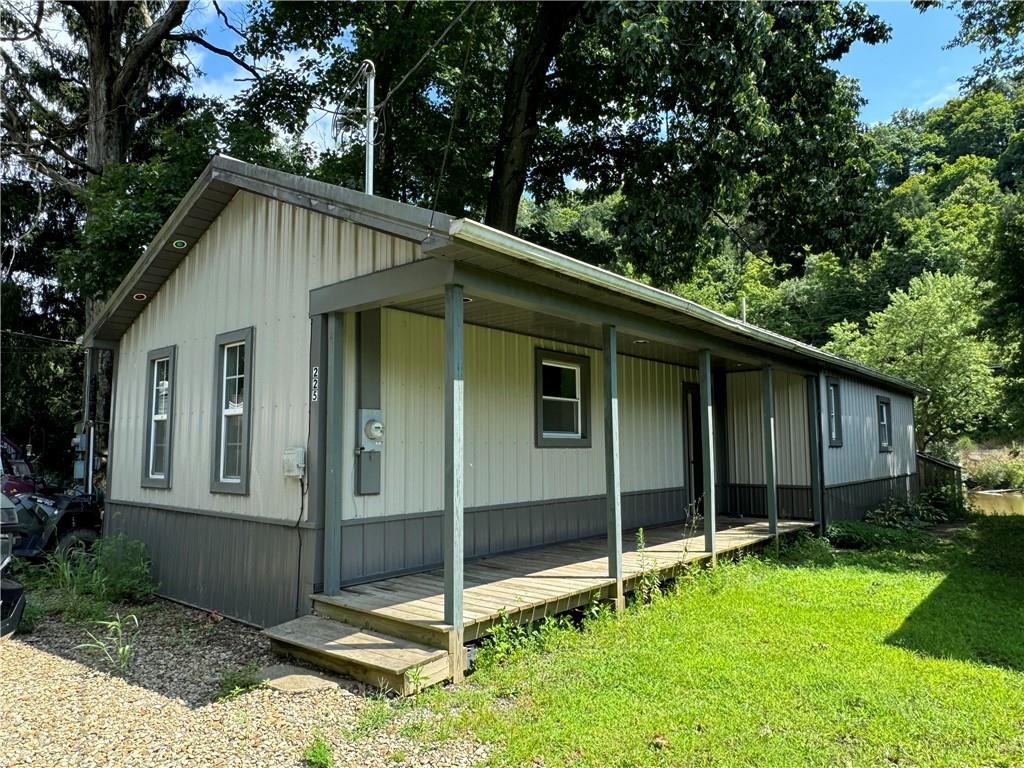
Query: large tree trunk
[(525, 89)]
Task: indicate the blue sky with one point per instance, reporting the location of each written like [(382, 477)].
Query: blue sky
[(912, 70)]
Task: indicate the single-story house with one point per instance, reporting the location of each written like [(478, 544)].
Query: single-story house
[(317, 390)]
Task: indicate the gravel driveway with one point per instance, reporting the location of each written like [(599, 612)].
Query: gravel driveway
[(60, 707)]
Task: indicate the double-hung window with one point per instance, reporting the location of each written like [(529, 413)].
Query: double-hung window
[(834, 413), (156, 459), (562, 400), (232, 412), (884, 424)]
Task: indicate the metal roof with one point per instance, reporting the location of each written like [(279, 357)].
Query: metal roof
[(439, 234)]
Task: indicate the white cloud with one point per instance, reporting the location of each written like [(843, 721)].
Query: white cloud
[(947, 92)]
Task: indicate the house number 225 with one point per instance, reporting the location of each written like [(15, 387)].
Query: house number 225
[(314, 393)]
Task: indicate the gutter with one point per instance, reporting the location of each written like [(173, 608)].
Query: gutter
[(480, 235)]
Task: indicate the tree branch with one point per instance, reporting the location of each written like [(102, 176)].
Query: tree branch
[(33, 31), (227, 22), (192, 37), (144, 48)]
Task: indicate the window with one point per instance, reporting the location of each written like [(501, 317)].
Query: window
[(156, 455), (562, 400), (232, 412), (884, 424), (834, 413)]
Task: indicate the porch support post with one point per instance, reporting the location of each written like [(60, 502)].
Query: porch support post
[(453, 476), (331, 388), (613, 485), (770, 464), (707, 441), (814, 443)]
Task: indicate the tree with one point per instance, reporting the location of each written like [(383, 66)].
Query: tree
[(994, 26), (929, 334)]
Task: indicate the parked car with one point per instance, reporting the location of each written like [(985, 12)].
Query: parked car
[(19, 475), (12, 594), (45, 523)]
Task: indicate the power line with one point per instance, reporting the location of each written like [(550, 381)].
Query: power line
[(49, 339), (423, 58)]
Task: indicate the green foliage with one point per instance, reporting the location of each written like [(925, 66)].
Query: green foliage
[(855, 534), (648, 583), (234, 682), (806, 550), (122, 565), (509, 639), (927, 508), (376, 713), (996, 469), (910, 651), (117, 645), (928, 335), (319, 753)]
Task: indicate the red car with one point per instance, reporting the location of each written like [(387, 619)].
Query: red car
[(18, 472)]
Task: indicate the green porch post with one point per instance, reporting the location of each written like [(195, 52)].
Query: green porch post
[(453, 476), (770, 463), (613, 485), (707, 441), (814, 443)]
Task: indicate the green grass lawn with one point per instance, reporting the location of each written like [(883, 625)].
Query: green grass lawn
[(906, 656)]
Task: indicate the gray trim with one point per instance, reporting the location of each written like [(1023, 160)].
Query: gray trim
[(240, 568), (884, 445), (814, 444), (379, 289), (886, 479), (770, 462), (334, 481), (454, 467), (796, 502), (245, 336), (613, 483), (368, 353), (281, 521), (379, 547), (837, 442), (319, 387), (540, 355), (170, 354), (707, 447)]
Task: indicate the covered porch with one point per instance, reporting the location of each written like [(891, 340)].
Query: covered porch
[(461, 288)]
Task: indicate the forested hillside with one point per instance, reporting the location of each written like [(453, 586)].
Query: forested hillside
[(708, 148)]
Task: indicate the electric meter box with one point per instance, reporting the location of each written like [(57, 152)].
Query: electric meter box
[(293, 461)]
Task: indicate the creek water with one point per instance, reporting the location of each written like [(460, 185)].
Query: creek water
[(998, 503)]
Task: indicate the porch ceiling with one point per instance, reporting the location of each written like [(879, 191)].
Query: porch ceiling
[(493, 314)]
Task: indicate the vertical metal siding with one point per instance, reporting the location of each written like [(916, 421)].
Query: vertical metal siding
[(254, 266), (858, 458), (502, 464), (746, 443)]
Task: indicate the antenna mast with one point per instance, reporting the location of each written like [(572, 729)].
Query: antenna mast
[(371, 123)]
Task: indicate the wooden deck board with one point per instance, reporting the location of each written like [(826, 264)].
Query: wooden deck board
[(546, 580)]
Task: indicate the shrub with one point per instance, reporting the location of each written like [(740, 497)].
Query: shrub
[(853, 534), (123, 566), (806, 549), (929, 507), (235, 682), (319, 753), (998, 469)]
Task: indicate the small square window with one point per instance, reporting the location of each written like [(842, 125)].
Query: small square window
[(563, 401)]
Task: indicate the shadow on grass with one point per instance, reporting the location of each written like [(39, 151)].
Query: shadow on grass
[(977, 613)]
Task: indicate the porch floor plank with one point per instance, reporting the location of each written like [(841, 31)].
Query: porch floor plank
[(543, 581)]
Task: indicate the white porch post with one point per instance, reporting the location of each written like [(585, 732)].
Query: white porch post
[(707, 441), (770, 463), (453, 476), (613, 486)]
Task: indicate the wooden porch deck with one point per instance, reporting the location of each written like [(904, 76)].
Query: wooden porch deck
[(531, 584)]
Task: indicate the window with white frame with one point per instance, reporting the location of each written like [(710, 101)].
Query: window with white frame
[(884, 424), (156, 461), (834, 413), (562, 400), (233, 412)]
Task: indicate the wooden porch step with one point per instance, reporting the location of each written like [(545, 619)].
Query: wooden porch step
[(389, 663)]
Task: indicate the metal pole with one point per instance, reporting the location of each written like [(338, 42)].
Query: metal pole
[(371, 121)]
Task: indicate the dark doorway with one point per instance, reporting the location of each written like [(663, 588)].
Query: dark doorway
[(692, 443)]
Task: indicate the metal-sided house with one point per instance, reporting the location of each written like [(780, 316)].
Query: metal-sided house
[(398, 426)]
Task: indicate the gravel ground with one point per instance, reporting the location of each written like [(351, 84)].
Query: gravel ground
[(60, 707)]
